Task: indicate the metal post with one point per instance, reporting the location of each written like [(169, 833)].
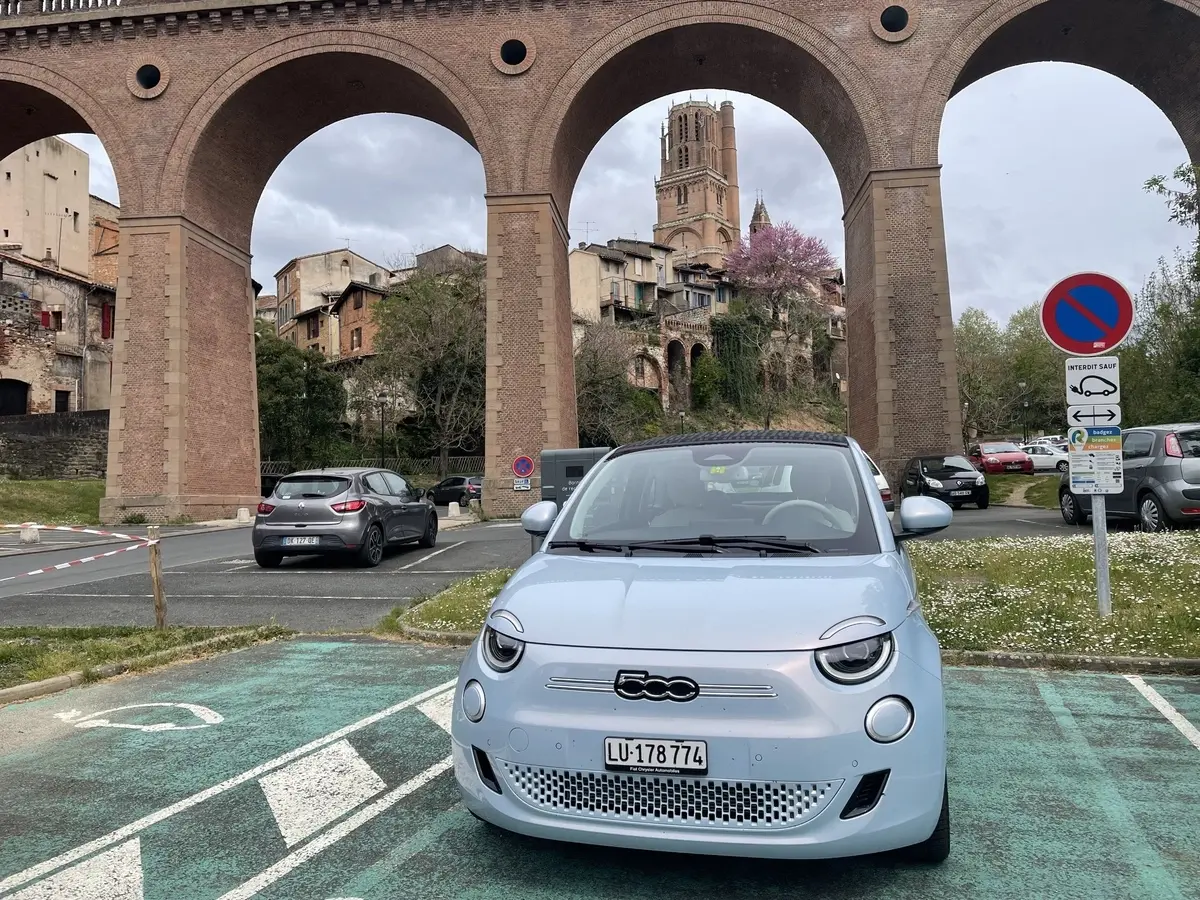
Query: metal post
[(1100, 538), (382, 437)]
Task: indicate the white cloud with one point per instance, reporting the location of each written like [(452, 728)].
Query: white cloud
[(1042, 176)]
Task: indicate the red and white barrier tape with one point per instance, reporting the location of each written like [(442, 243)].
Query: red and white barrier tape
[(78, 529), (75, 562)]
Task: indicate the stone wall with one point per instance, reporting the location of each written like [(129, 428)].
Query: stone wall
[(56, 445)]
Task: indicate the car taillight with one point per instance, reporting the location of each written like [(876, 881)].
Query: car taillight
[(265, 509), (349, 506), (1173, 448), (885, 494)]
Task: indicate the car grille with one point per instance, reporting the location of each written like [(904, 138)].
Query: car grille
[(668, 800)]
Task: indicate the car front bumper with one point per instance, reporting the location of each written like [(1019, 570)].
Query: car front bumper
[(977, 494), (781, 771)]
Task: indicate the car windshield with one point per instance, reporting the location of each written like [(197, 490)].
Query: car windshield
[(947, 465), (1189, 443), (296, 486), (1001, 448), (808, 493)]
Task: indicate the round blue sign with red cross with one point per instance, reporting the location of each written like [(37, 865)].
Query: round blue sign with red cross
[(1087, 314), (522, 466)]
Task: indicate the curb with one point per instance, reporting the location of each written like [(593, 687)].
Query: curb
[(67, 548), (451, 638), (61, 682)]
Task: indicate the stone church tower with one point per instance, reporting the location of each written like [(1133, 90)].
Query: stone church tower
[(759, 219), (697, 191)]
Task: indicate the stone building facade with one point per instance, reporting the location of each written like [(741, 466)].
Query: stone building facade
[(315, 281), (105, 240)]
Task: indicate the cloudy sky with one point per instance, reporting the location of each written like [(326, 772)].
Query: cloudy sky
[(1043, 167)]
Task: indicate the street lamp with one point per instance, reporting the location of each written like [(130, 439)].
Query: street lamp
[(681, 416), (383, 398)]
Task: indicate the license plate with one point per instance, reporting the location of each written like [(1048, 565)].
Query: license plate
[(659, 756), (301, 541), (960, 493), (1013, 466)]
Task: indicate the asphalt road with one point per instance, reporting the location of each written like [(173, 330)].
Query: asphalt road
[(211, 579), (319, 768)]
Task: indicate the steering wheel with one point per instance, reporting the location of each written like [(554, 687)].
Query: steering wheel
[(798, 504)]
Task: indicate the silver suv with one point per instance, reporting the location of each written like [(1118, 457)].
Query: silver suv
[(1160, 480), (355, 512)]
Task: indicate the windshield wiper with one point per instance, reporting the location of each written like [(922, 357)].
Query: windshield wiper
[(717, 544), (590, 546)]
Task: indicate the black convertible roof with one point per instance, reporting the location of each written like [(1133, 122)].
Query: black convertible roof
[(735, 437)]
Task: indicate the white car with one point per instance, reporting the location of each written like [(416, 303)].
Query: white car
[(885, 490), (1046, 457)]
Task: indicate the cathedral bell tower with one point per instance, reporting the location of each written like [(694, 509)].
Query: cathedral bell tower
[(698, 186)]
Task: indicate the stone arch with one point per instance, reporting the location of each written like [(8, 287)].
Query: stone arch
[(725, 240), (679, 234), (1149, 44), (60, 106), (697, 351), (813, 79), (348, 74), (650, 377), (14, 397)]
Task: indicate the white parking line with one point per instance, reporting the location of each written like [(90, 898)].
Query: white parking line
[(431, 555), (1170, 713), (154, 818)]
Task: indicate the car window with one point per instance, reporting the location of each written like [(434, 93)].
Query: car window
[(874, 468), (801, 492), (1137, 443), (376, 484), (1001, 447), (946, 465), (396, 484), (297, 486)]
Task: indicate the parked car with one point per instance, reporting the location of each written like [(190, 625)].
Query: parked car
[(1160, 480), (1000, 457), (885, 490), (1047, 457), (460, 489), (949, 478), (706, 671), (355, 512)]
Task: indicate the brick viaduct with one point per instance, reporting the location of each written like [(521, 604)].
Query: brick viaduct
[(198, 101)]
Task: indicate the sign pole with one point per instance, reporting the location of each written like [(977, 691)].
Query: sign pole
[(1100, 539), (1085, 316)]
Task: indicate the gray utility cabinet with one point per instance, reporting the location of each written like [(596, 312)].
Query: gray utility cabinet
[(562, 470)]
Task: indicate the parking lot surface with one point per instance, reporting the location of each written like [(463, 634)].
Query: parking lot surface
[(319, 768)]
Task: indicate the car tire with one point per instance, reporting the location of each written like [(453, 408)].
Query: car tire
[(1069, 507), (464, 500), (268, 560), (1151, 515), (370, 554), (956, 506), (429, 538), (936, 848), (1062, 465), (983, 504)]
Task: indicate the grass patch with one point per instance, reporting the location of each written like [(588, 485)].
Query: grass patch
[(1032, 595), (1040, 490), (1037, 595), (34, 653), (1043, 493), (51, 502), (460, 607), (1001, 487)]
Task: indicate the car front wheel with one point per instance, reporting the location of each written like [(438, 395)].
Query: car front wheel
[(935, 848), (429, 537)]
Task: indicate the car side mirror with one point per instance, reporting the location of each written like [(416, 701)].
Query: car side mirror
[(921, 516), (537, 519)]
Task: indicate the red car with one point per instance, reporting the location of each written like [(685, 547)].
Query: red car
[(999, 457)]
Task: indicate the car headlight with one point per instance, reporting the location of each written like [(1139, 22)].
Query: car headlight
[(857, 662), (993, 460), (500, 651), (980, 481), (933, 483)]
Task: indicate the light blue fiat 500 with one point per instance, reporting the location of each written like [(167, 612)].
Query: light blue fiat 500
[(718, 648)]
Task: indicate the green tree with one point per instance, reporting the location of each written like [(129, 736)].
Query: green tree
[(610, 410), (429, 356), (301, 403), (1183, 203), (708, 380), (979, 350)]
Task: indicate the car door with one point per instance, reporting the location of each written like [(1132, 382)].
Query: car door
[(912, 479), (975, 455), (410, 511), (1137, 448), (445, 490), (385, 501)]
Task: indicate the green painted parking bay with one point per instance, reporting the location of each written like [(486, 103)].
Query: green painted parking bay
[(319, 769)]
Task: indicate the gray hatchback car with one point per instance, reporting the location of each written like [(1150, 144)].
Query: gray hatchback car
[(355, 512), (1160, 480)]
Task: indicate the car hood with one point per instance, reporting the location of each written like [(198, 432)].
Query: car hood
[(955, 475), (1008, 456), (703, 603)]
